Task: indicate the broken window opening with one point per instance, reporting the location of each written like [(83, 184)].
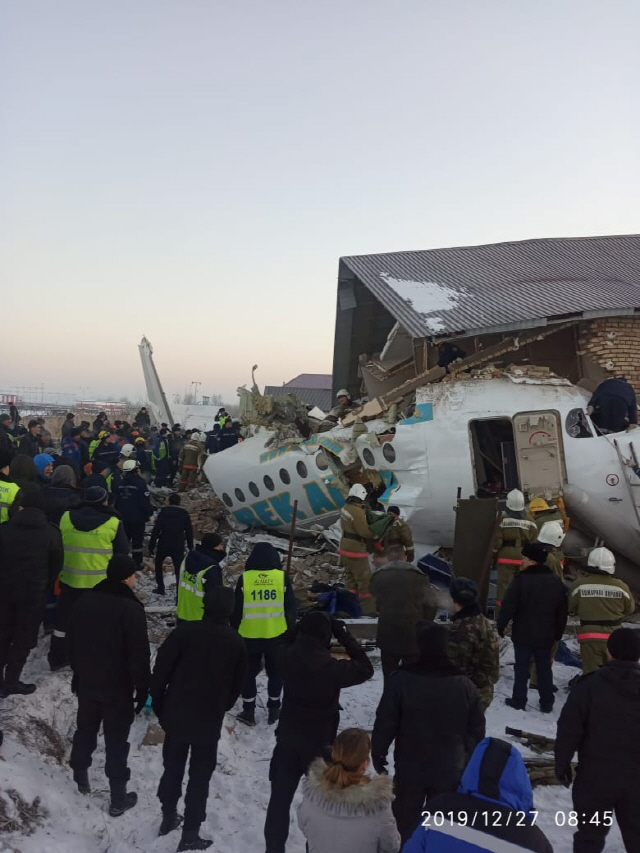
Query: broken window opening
[(495, 467), (577, 424)]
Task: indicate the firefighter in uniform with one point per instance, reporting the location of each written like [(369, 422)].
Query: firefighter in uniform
[(515, 530), (399, 534), (189, 460), (601, 603), (356, 541), (8, 489), (264, 611), (543, 512)]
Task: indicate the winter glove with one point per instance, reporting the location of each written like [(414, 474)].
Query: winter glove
[(141, 701), (564, 775), (340, 631), (379, 765)]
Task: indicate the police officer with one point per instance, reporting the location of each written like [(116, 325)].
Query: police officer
[(200, 572), (91, 534), (399, 533), (8, 488), (265, 609), (515, 530), (601, 603), (357, 539), (134, 505)]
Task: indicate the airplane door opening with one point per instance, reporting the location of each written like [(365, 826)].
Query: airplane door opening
[(494, 456), (539, 450)]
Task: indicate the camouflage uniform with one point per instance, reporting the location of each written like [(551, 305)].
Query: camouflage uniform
[(355, 544), (400, 534), (601, 603), (515, 530), (474, 649)]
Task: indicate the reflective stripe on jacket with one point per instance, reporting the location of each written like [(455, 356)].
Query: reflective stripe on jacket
[(8, 492), (86, 552), (263, 609)]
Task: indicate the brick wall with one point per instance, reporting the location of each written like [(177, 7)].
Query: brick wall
[(609, 346)]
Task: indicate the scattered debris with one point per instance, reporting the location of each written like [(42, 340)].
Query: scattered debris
[(18, 815), (154, 736)]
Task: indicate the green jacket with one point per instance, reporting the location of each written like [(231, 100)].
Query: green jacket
[(474, 649), (599, 597), (512, 535)]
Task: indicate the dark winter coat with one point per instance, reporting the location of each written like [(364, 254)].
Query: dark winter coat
[(142, 419), (58, 499), (199, 559), (31, 556), (108, 644), (493, 802), (171, 531), (536, 602), (312, 682), (614, 404), (95, 480), (89, 516), (30, 445), (132, 499), (199, 672), (6, 438), (600, 721), (72, 451), (228, 438), (404, 597), (474, 649), (107, 452)]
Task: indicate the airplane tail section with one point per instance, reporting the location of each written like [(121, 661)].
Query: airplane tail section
[(155, 392)]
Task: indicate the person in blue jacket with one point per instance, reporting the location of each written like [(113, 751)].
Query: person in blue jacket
[(491, 810)]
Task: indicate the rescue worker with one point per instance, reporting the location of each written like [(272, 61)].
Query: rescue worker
[(145, 458), (433, 714), (515, 530), (177, 443), (8, 487), (343, 407), (162, 459), (399, 534), (31, 444), (601, 603), (172, 530), (229, 435), (265, 609), (310, 714), (190, 459), (98, 476), (473, 642), (95, 442), (495, 782), (110, 661), (31, 558), (222, 417), (212, 443), (551, 536), (541, 511), (355, 544), (613, 406), (448, 353), (133, 504), (536, 602), (7, 440), (197, 677), (600, 721), (199, 573), (91, 534), (404, 598), (108, 450)]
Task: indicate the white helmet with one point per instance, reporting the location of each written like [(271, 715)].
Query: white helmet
[(358, 491), (343, 393), (197, 436), (603, 559), (130, 465), (127, 450), (515, 500), (551, 533)]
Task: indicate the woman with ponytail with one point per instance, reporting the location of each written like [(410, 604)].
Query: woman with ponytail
[(343, 809)]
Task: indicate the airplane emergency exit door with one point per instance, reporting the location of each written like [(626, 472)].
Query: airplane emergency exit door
[(539, 452)]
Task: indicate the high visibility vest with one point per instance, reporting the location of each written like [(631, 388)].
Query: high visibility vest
[(263, 610), (93, 447), (86, 552), (8, 492), (191, 594)]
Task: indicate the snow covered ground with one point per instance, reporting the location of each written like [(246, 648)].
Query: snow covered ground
[(239, 789)]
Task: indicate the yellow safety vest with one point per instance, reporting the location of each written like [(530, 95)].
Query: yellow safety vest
[(8, 492), (191, 594), (263, 612), (86, 552)]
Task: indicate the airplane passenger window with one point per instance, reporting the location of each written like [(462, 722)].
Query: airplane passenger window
[(301, 468), (368, 457), (227, 499), (285, 476), (577, 424), (240, 495), (321, 461), (268, 482), (389, 452), (254, 490)]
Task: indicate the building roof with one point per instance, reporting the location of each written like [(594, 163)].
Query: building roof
[(470, 290), (320, 397), (311, 380)]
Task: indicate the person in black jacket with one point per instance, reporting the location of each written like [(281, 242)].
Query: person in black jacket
[(31, 557), (536, 602), (22, 471), (613, 406), (228, 435), (134, 505), (109, 655), (172, 531), (31, 443), (98, 476), (197, 677), (6, 433), (600, 721), (61, 493), (435, 716), (310, 712)]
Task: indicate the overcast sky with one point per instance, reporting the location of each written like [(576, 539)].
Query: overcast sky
[(192, 170)]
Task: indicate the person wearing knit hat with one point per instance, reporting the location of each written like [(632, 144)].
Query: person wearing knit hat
[(536, 604), (110, 661), (600, 721), (473, 641), (9, 489), (44, 466), (200, 572)]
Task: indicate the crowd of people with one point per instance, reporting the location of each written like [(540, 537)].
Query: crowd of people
[(71, 543)]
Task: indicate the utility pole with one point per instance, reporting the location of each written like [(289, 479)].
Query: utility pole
[(195, 394)]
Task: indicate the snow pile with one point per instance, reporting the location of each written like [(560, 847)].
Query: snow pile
[(425, 297)]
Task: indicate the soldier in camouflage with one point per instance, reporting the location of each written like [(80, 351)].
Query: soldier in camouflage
[(399, 533), (473, 641)]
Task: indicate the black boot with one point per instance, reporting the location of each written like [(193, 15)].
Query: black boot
[(274, 714), (246, 716), (170, 821), (81, 778), (191, 841), (121, 801), (512, 704)]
